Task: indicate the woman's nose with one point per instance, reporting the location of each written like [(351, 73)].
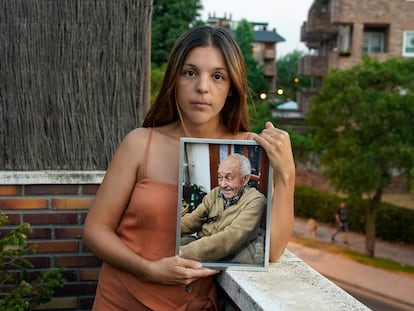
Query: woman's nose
[(202, 85)]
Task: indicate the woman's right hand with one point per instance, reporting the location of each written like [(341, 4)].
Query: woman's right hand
[(176, 270)]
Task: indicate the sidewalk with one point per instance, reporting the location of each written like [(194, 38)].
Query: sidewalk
[(395, 286)]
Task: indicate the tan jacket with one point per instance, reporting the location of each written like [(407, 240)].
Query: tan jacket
[(234, 227)]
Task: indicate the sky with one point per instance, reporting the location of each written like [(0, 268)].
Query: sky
[(286, 17)]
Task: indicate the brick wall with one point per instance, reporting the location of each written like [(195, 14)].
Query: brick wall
[(56, 213)]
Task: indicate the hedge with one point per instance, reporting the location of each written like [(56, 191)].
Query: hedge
[(393, 223)]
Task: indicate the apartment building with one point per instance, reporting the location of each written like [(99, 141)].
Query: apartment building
[(264, 45), (339, 32)]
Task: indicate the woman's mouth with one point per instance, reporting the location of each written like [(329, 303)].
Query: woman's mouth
[(200, 105)]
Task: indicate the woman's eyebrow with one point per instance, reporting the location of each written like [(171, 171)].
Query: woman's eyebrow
[(213, 69)]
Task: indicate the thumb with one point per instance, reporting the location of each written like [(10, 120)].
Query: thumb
[(191, 263), (269, 125)]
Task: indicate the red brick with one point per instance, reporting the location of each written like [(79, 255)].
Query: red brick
[(10, 190), (77, 289), (68, 233), (90, 189), (51, 218), (14, 219), (55, 246), (86, 302), (70, 275), (90, 274), (40, 262), (23, 203), (71, 203), (78, 261), (40, 233), (51, 189), (60, 303)]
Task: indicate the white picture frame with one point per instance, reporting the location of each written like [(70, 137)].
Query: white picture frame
[(199, 159)]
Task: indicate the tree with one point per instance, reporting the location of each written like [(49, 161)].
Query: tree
[(245, 37), (363, 119), (287, 72), (170, 18)]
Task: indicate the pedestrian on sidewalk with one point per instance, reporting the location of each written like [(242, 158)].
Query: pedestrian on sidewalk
[(341, 223)]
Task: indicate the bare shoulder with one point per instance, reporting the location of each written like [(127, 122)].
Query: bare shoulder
[(131, 150), (136, 137)]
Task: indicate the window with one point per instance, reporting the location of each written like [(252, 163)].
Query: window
[(408, 43), (344, 38), (374, 42)]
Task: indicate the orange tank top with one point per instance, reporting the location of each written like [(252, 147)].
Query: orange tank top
[(148, 227)]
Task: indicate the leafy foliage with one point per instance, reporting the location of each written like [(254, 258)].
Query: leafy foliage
[(259, 112), (24, 294), (363, 121), (157, 75), (170, 18), (287, 71)]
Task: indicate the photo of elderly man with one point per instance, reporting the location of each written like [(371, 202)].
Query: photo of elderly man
[(225, 226)]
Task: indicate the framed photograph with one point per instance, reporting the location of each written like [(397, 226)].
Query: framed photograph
[(224, 201)]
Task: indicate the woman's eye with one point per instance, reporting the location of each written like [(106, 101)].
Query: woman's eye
[(189, 73), (218, 76)]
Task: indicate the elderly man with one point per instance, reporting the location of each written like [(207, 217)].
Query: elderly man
[(225, 225)]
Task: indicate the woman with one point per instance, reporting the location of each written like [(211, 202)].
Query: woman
[(132, 221)]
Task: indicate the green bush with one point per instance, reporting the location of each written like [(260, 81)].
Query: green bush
[(314, 203), (19, 290), (393, 223)]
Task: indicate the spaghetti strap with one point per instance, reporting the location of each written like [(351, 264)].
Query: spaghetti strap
[(147, 150)]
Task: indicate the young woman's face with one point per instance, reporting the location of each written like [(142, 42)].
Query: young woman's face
[(203, 85)]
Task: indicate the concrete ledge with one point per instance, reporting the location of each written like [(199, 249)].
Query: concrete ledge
[(50, 177), (290, 284)]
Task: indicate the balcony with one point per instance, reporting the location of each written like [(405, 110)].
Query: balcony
[(269, 69), (269, 54), (318, 27), (314, 66)]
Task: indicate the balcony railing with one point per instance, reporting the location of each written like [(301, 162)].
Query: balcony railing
[(318, 27), (269, 54), (288, 285), (315, 66)]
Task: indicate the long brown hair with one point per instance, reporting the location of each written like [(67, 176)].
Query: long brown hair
[(234, 114)]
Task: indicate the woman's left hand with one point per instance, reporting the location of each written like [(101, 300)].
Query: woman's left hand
[(278, 147)]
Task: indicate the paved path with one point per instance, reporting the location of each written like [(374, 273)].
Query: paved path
[(395, 286)]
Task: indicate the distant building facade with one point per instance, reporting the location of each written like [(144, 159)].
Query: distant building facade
[(340, 32), (264, 45)]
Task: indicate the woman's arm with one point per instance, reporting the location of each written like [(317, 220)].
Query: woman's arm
[(279, 151), (107, 209)]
